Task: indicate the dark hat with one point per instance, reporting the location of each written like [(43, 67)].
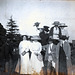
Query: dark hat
[(56, 23), (63, 25), (46, 28), (36, 24)]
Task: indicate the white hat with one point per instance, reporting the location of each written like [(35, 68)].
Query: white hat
[(35, 38), (56, 23)]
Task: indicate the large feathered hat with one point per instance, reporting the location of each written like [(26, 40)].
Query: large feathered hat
[(36, 24)]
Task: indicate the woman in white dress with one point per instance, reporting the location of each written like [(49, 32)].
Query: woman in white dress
[(36, 57), (24, 55), (30, 65)]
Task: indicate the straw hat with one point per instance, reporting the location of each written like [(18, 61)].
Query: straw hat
[(35, 38), (56, 23)]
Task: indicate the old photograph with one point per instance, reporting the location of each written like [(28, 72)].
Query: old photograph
[(37, 37)]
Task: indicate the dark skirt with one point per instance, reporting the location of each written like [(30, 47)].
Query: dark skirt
[(62, 69)]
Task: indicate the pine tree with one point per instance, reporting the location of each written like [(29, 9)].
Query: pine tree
[(12, 27), (12, 30)]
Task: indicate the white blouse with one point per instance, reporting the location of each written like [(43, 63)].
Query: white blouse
[(56, 33)]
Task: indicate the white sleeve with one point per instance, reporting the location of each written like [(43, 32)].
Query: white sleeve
[(40, 47), (50, 47)]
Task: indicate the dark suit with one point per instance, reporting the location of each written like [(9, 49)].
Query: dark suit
[(4, 56), (44, 38), (44, 41)]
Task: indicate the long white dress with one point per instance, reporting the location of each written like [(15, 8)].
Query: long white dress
[(33, 65), (36, 64), (25, 62)]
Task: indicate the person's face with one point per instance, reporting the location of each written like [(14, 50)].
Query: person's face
[(24, 37), (50, 42), (41, 30), (56, 25)]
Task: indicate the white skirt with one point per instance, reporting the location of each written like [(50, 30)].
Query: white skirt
[(29, 66)]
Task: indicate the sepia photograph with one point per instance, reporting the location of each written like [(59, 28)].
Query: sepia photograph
[(37, 37)]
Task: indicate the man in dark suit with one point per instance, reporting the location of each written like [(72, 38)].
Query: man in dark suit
[(44, 35)]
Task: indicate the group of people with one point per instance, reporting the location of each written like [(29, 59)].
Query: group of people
[(31, 59), (7, 47), (47, 53), (58, 46)]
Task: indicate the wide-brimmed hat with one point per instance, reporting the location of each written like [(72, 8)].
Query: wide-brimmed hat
[(63, 25), (35, 38), (56, 23), (46, 28), (36, 24)]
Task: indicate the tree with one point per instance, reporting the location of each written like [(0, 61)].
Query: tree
[(12, 30), (12, 27)]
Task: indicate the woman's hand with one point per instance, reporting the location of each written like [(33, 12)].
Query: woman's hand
[(40, 57)]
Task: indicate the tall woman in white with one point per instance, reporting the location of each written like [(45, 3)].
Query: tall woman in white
[(36, 57), (33, 64), (24, 55)]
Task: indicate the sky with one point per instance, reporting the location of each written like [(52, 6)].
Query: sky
[(27, 12)]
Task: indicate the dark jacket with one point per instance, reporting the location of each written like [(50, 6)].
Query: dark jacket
[(14, 51), (4, 51), (44, 38), (51, 31), (55, 41)]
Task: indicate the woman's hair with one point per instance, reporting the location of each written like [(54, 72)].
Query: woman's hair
[(25, 36)]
